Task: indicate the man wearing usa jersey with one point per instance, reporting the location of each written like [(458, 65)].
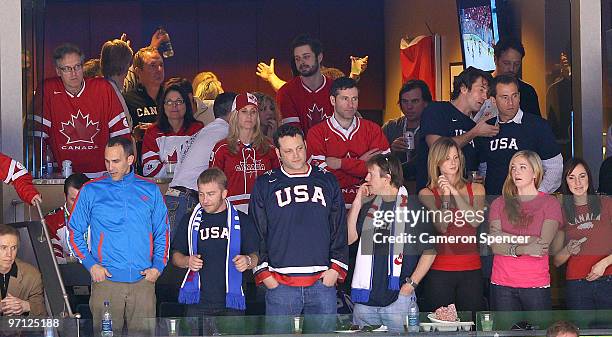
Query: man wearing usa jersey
[(517, 131), (300, 217), (79, 115), (304, 101), (343, 143), (454, 119)]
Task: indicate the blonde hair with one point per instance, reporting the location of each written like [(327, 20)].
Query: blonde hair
[(437, 155), (206, 86), (510, 191), (258, 141)]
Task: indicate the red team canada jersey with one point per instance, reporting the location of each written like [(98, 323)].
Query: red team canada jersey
[(56, 222), (14, 173), (303, 107), (329, 139), (77, 127), (159, 148), (242, 169)]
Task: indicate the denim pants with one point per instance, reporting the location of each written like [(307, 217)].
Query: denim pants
[(393, 316), (589, 295), (316, 302), (177, 208), (520, 299)]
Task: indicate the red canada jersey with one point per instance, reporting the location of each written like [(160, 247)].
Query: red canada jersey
[(329, 139), (242, 169), (14, 173), (77, 127), (303, 107), (159, 148), (56, 223)]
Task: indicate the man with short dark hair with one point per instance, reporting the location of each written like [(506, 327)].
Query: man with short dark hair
[(22, 291), (300, 217), (142, 100), (129, 240), (563, 329), (402, 133), (454, 119), (517, 131), (78, 115), (343, 143), (216, 243), (57, 219), (304, 101)]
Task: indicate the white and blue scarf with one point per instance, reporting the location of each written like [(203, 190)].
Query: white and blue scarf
[(190, 288), (364, 265)]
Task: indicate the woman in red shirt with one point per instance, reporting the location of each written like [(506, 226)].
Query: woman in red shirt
[(246, 153), (175, 125), (585, 242), (455, 275)]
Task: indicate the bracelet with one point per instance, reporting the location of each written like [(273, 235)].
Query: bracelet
[(250, 260), (512, 250)]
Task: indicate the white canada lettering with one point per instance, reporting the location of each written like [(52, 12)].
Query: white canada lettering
[(302, 194), (503, 144)]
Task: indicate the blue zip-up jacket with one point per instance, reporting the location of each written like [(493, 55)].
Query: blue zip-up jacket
[(129, 226)]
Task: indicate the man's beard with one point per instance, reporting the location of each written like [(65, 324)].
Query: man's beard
[(313, 70)]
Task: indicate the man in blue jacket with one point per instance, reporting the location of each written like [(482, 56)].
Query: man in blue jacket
[(129, 235)]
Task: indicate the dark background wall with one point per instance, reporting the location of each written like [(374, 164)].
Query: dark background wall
[(229, 37)]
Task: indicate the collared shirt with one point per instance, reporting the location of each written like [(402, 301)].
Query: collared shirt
[(4, 280), (518, 118), (345, 132)]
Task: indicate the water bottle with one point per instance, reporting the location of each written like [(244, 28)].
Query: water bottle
[(166, 47), (409, 138), (107, 321), (48, 165), (413, 316)]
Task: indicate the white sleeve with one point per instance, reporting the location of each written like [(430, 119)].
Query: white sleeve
[(553, 170)]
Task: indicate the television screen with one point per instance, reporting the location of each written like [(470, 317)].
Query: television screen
[(478, 28)]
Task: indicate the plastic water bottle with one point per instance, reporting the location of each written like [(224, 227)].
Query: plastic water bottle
[(48, 169), (107, 321), (413, 316), (166, 47)]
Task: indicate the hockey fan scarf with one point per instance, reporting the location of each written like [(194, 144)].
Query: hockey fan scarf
[(364, 266), (190, 288)]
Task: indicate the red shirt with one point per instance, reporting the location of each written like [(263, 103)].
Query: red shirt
[(159, 148), (242, 169), (598, 231), (14, 173), (457, 256), (77, 127), (303, 107), (56, 223)]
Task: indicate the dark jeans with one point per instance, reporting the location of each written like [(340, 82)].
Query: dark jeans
[(208, 324), (179, 207), (316, 302), (520, 299), (589, 295), (464, 288)]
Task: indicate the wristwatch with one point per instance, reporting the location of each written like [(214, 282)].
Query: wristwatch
[(411, 282)]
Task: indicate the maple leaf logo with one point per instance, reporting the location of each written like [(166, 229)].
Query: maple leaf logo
[(173, 157), (80, 129), (316, 113)]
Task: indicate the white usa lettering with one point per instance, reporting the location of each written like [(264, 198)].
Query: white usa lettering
[(299, 193), (503, 144), (214, 233)]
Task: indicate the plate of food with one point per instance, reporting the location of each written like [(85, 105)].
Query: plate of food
[(447, 315)]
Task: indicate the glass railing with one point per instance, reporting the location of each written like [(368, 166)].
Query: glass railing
[(500, 323)]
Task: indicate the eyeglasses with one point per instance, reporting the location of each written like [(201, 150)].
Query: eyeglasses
[(68, 69), (177, 103)]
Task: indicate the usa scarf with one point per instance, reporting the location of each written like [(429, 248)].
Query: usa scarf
[(364, 265), (190, 288)]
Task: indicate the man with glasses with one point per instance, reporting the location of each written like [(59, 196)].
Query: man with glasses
[(77, 116)]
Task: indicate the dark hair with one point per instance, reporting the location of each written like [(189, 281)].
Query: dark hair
[(139, 56), (390, 165), (416, 84), (286, 130), (9, 230), (64, 49), (502, 79), (75, 180), (182, 82), (562, 327), (125, 143), (115, 57), (213, 174), (223, 104), (342, 83), (303, 40), (162, 118), (593, 200), (467, 79), (92, 68), (510, 43)]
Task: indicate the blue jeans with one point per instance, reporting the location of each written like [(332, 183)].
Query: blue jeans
[(520, 299), (177, 208), (317, 302), (589, 295), (393, 315)]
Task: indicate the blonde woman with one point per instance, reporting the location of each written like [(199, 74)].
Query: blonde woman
[(246, 153), (455, 275), (527, 221), (268, 114)]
